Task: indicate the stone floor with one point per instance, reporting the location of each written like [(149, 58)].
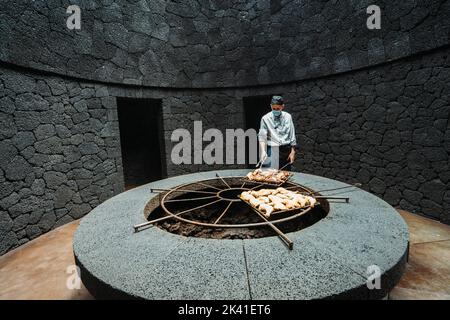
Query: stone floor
[(40, 269), (427, 274)]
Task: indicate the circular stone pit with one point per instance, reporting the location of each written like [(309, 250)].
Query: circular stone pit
[(220, 214), (330, 258)]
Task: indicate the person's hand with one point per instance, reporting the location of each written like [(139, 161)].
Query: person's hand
[(291, 157), (262, 155)]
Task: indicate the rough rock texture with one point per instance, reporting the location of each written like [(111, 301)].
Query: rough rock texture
[(215, 43), (329, 260), (386, 127), (52, 156), (365, 110)]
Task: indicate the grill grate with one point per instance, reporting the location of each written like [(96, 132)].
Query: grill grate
[(218, 191)]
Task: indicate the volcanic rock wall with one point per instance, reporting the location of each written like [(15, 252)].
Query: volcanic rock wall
[(387, 127), (369, 105), (59, 153), (215, 43)]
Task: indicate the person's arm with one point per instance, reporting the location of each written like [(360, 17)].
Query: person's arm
[(262, 137), (293, 139), (291, 156)]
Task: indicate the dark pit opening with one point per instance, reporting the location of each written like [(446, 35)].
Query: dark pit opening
[(141, 140), (231, 194), (237, 213)]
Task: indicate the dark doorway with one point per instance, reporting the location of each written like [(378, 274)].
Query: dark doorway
[(255, 108), (141, 140)]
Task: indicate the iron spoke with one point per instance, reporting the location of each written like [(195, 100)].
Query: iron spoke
[(259, 185), (283, 237), (207, 185), (190, 199), (182, 190), (223, 181), (224, 211), (215, 198), (136, 227)]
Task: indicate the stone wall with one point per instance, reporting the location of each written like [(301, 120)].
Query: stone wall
[(215, 43), (59, 153), (387, 127), (217, 110)]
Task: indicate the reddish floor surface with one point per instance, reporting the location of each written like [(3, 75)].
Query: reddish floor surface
[(41, 269)]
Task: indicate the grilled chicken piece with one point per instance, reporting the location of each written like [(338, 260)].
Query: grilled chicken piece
[(266, 209), (247, 196), (265, 192), (264, 199), (255, 202), (278, 206), (269, 175), (282, 190), (277, 200)]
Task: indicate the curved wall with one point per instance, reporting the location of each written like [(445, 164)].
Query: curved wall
[(385, 124), (386, 127), (214, 43)]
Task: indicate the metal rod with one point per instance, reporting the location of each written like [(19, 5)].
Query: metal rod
[(136, 227), (355, 185), (223, 181), (243, 225), (286, 240), (292, 187), (190, 199), (195, 208), (243, 185), (182, 190), (333, 198), (284, 166), (223, 213), (261, 162), (207, 185), (259, 185)]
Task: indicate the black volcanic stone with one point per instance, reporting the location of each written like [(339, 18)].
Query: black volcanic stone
[(386, 125)]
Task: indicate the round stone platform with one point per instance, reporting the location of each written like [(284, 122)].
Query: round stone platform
[(330, 259)]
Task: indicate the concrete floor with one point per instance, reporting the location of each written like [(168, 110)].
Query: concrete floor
[(427, 273), (40, 269)]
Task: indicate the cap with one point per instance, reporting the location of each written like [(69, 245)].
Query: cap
[(277, 100)]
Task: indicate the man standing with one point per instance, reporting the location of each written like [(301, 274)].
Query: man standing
[(277, 136)]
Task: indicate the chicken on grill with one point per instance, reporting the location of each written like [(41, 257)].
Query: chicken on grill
[(269, 175), (270, 201)]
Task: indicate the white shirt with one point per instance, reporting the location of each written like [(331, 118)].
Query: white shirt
[(277, 131)]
